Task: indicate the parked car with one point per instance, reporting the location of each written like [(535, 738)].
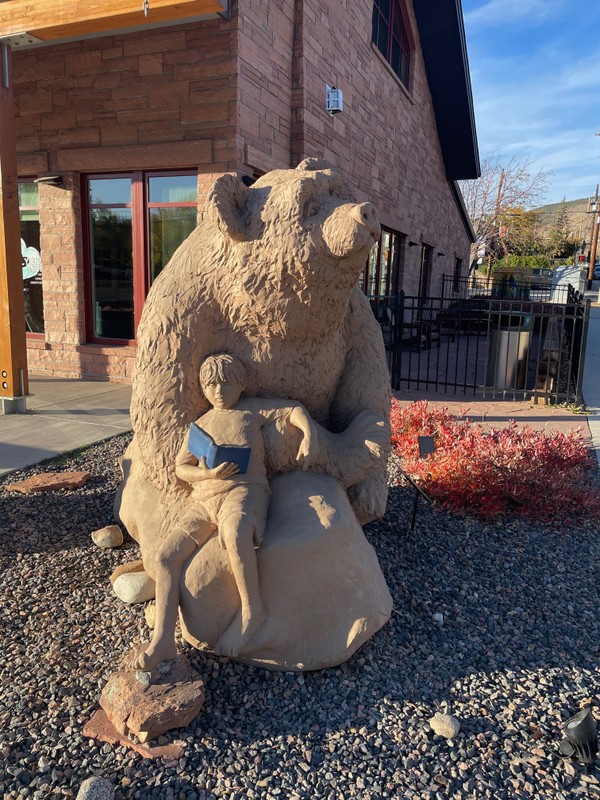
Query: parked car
[(596, 272)]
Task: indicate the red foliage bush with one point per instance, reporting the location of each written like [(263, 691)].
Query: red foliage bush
[(543, 476)]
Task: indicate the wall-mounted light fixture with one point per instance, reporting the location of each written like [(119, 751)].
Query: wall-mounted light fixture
[(441, 254), (334, 102), (50, 180), (413, 244)]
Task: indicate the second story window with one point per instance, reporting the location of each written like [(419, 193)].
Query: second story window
[(392, 36)]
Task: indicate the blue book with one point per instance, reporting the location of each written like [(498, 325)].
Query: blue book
[(201, 443)]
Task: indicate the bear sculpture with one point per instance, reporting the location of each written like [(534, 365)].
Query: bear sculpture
[(271, 276)]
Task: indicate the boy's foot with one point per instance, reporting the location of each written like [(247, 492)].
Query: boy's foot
[(238, 633), (156, 653)]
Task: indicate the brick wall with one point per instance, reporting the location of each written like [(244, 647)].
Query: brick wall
[(165, 98), (386, 138), (266, 33)]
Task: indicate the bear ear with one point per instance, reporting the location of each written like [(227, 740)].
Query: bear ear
[(314, 164), (227, 201)]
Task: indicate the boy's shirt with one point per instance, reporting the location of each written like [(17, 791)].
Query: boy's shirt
[(241, 425)]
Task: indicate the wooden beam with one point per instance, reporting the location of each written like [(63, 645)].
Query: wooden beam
[(50, 20), (13, 349)]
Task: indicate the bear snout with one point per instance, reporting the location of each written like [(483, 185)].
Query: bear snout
[(366, 213), (351, 227)]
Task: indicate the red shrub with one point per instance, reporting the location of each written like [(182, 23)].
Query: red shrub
[(544, 476)]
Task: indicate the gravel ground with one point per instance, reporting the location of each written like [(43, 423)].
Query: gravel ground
[(518, 653)]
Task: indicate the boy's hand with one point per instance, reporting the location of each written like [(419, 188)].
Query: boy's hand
[(223, 471)]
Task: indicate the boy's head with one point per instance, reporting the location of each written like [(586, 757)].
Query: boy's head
[(223, 378)]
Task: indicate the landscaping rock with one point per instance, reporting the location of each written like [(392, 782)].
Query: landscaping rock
[(96, 789), (107, 537), (130, 566), (445, 725), (50, 482), (150, 615), (149, 704), (134, 587)]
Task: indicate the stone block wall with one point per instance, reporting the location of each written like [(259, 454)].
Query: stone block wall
[(386, 138), (164, 98)]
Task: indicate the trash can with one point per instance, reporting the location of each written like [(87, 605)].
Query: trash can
[(508, 353)]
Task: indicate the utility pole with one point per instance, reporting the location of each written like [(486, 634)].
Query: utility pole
[(594, 239)]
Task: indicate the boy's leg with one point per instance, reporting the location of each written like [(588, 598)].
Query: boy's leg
[(237, 534), (172, 555)]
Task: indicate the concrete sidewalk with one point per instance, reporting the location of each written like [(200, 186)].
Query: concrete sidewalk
[(62, 414)]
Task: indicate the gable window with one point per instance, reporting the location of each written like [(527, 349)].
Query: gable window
[(31, 260), (135, 222), (392, 36)]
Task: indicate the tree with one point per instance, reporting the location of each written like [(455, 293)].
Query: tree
[(561, 242), (494, 199)]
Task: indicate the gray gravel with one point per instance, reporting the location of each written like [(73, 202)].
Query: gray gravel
[(517, 652)]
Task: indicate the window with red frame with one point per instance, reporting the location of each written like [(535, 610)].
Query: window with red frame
[(392, 36), (135, 222)]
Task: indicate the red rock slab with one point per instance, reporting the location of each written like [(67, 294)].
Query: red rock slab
[(100, 727), (149, 704), (50, 482)]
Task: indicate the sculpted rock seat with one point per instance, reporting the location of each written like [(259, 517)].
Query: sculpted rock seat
[(271, 276)]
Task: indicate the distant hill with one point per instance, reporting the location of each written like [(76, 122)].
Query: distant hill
[(580, 222)]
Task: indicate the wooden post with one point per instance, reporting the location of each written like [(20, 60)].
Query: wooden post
[(13, 350)]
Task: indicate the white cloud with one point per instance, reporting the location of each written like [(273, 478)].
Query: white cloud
[(507, 12)]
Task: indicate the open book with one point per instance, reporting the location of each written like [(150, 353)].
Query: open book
[(201, 444)]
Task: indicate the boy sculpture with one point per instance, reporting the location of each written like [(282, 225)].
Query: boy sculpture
[(223, 498)]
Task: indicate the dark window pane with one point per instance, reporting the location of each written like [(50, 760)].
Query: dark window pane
[(385, 259), (383, 36), (31, 264), (173, 189), (112, 273), (168, 228), (375, 20), (395, 58), (372, 274), (404, 69), (109, 191), (31, 261), (384, 5)]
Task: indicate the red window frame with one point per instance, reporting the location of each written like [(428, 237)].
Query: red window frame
[(140, 245), (392, 35)]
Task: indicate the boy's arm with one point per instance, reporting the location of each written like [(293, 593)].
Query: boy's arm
[(190, 470)]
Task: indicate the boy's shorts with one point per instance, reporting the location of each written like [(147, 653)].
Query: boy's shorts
[(248, 504)]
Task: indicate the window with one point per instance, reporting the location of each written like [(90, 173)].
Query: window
[(425, 274), (31, 261), (135, 222), (382, 275), (392, 36), (456, 278)]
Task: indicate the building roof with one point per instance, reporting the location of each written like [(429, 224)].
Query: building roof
[(444, 47)]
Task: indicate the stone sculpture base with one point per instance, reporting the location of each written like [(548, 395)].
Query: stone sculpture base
[(149, 704), (319, 576)]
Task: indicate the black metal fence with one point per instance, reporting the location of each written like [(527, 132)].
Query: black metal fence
[(528, 343)]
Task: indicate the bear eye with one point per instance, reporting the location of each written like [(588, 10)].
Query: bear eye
[(311, 209)]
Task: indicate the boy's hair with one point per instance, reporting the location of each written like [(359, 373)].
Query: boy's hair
[(223, 367)]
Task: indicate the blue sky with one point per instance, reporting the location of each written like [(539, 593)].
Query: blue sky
[(535, 71)]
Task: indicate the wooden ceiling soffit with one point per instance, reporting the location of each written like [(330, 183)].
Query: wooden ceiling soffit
[(25, 24)]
